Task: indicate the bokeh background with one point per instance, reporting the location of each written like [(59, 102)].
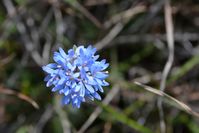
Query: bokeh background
[(130, 34)]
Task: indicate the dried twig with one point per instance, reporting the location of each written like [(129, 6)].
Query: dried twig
[(62, 116), (3, 90), (34, 32), (17, 71), (46, 21), (107, 127), (98, 110), (28, 44), (125, 15), (153, 11), (118, 28), (43, 120), (59, 24), (85, 12), (129, 39), (171, 99), (22, 29), (46, 49), (110, 36), (97, 2), (170, 41), (6, 60)]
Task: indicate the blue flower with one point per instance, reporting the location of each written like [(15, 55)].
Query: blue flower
[(77, 75)]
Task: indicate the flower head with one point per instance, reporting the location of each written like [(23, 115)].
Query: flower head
[(77, 75)]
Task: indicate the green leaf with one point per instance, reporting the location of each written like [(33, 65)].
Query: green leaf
[(184, 68), (23, 129), (71, 2), (119, 116), (21, 2)]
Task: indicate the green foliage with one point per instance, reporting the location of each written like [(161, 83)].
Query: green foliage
[(186, 67), (119, 116), (186, 120), (23, 129), (21, 2), (71, 2)]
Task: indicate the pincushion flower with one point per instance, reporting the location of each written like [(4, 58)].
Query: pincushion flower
[(77, 75)]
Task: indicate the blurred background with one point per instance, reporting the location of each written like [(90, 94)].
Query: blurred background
[(130, 34)]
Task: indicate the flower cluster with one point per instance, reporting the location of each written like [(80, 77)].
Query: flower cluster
[(78, 75)]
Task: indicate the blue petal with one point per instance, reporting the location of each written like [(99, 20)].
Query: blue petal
[(73, 84), (96, 57), (97, 96), (105, 66), (94, 51), (76, 102), (90, 97), (78, 105), (47, 69), (48, 77), (77, 88), (83, 99), (90, 88), (50, 82), (83, 73), (100, 88), (105, 83), (58, 58), (91, 81), (90, 62), (78, 49), (82, 91), (99, 81), (101, 75), (66, 91), (73, 68), (63, 54), (58, 87), (89, 47), (81, 51), (68, 83), (65, 100), (69, 66), (76, 75), (52, 65), (61, 81), (103, 61), (71, 52)]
